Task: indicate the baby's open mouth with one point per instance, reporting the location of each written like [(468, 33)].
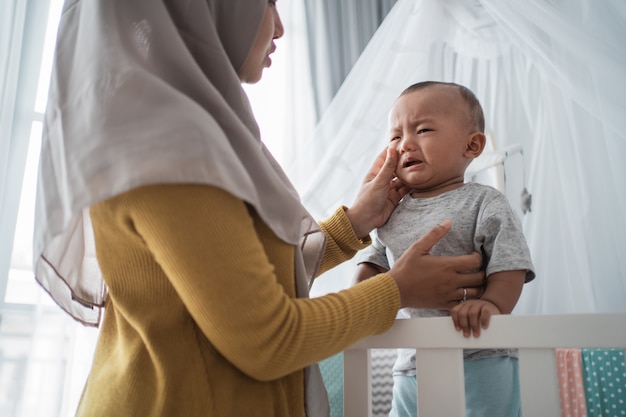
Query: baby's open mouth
[(412, 162)]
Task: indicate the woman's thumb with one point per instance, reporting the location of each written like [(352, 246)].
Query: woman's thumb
[(387, 172)]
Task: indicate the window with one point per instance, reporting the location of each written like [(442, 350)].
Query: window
[(44, 356)]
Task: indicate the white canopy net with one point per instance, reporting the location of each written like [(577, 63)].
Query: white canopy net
[(551, 77)]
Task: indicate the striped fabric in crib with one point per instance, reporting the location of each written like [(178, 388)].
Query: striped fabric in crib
[(382, 361), (382, 380)]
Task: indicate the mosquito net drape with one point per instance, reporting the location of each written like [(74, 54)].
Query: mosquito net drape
[(551, 77)]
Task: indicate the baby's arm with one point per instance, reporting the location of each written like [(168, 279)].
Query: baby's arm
[(501, 294), (364, 271)]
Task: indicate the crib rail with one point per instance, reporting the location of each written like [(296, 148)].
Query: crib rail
[(440, 361)]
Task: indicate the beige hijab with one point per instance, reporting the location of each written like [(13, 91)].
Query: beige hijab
[(146, 92)]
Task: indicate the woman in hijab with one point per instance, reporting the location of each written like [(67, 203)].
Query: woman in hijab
[(158, 202)]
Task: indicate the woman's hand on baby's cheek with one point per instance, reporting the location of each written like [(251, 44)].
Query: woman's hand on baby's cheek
[(472, 316), (378, 196)]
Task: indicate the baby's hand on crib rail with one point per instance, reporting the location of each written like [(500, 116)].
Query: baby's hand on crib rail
[(473, 315)]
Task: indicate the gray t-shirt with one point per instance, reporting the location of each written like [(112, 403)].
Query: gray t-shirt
[(482, 220)]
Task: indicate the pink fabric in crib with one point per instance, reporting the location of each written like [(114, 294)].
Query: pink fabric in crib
[(571, 388)]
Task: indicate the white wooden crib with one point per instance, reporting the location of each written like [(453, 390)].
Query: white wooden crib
[(440, 363)]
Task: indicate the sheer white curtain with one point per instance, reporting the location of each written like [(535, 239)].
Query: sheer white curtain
[(550, 75), (44, 355), (13, 128)]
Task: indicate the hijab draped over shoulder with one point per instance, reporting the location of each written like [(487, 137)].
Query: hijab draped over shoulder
[(146, 92)]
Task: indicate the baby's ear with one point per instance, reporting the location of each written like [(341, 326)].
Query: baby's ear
[(475, 145)]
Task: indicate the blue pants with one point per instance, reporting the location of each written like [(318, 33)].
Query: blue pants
[(491, 390)]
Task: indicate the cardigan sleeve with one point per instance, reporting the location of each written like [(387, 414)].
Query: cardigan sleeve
[(204, 240), (342, 243)]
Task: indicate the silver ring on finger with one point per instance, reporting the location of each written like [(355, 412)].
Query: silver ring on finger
[(464, 299)]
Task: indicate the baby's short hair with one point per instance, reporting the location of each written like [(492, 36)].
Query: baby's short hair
[(473, 105)]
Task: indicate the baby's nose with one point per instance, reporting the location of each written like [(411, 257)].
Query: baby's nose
[(408, 143)]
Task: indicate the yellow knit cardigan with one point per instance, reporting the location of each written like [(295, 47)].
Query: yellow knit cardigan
[(202, 317)]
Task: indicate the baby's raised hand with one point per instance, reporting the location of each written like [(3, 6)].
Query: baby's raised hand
[(473, 315)]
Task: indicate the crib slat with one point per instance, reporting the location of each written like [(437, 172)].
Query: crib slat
[(539, 384), (357, 389), (440, 371)]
